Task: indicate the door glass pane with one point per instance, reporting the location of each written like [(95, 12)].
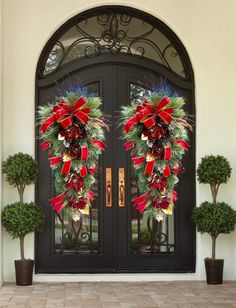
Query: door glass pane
[(111, 33), (147, 234), (82, 236)]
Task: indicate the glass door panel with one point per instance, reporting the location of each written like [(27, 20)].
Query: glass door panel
[(147, 234), (82, 235)]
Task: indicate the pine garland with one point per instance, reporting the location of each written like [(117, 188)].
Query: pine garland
[(155, 130), (72, 131)]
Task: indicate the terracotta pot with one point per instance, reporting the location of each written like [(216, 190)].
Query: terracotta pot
[(214, 270), (24, 272)]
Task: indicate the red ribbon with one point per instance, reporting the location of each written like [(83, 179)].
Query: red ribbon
[(167, 154), (58, 201), (103, 124), (91, 196), (141, 202), (55, 160), (92, 170), (84, 153), (174, 196), (138, 160), (141, 207), (167, 171), (149, 167), (63, 113), (45, 145), (98, 143), (83, 171), (129, 145), (146, 114), (183, 144), (66, 167), (186, 124), (175, 170)]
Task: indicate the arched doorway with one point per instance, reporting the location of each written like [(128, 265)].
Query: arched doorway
[(115, 53)]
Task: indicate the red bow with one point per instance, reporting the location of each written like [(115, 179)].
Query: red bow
[(146, 114), (63, 113)]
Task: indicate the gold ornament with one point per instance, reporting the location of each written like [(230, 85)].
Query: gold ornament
[(66, 157), (169, 210), (150, 157), (85, 210)]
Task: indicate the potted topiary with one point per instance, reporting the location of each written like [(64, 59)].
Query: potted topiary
[(217, 217), (21, 218)]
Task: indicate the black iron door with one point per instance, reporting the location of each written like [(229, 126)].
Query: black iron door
[(112, 237)]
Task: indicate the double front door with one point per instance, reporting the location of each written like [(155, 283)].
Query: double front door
[(112, 236)]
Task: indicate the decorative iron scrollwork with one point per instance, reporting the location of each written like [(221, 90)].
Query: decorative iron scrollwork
[(114, 33), (159, 239)]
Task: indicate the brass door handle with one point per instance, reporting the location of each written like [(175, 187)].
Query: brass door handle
[(121, 187), (108, 187)]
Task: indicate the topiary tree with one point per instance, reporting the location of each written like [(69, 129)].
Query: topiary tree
[(21, 170), (20, 219), (214, 219), (214, 170)]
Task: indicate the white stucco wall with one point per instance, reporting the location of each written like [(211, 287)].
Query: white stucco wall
[(207, 28)]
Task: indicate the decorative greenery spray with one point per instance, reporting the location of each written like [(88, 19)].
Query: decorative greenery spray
[(20, 218), (216, 217), (156, 132), (72, 130)]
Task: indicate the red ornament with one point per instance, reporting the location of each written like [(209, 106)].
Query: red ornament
[(158, 151), (74, 181), (157, 131), (73, 132), (75, 150), (159, 182), (163, 204), (77, 203)]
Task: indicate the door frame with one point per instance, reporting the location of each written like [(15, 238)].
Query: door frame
[(155, 68)]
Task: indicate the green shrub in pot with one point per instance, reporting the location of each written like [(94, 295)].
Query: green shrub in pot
[(19, 218), (214, 217)]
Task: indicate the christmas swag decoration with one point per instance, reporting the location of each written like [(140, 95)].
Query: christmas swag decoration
[(72, 131), (155, 130)]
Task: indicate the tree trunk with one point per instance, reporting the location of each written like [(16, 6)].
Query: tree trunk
[(22, 254), (213, 247), (214, 193), (21, 196)]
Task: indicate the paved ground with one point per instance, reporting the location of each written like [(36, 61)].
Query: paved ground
[(117, 294)]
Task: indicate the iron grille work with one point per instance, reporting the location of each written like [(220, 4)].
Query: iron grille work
[(147, 234), (114, 32), (81, 236)]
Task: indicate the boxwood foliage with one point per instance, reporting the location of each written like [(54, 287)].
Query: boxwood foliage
[(20, 169), (20, 219), (214, 219), (213, 170)]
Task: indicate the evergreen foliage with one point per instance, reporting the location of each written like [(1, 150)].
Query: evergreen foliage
[(177, 130), (20, 219), (59, 147), (213, 170), (214, 219)]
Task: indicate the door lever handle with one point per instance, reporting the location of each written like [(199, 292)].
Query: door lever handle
[(121, 187), (108, 187)]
